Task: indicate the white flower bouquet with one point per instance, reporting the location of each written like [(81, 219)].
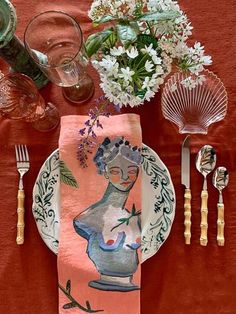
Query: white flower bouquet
[(143, 40)]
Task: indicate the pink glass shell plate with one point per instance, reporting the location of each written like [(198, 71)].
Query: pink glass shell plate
[(193, 110)]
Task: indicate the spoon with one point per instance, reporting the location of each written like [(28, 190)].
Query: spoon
[(205, 163), (220, 181)]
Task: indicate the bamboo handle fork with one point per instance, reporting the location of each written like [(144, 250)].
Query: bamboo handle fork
[(22, 162)]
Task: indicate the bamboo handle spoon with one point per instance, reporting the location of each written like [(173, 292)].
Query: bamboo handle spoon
[(220, 181), (205, 163)]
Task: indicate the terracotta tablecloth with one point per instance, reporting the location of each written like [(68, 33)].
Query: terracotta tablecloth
[(179, 279)]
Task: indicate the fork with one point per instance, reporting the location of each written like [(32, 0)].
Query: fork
[(22, 163)]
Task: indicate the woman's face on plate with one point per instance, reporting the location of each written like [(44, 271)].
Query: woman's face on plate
[(122, 173)]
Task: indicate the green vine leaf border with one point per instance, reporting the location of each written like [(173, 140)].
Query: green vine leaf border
[(164, 206), (44, 211)]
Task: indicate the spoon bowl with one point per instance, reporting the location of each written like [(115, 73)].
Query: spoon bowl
[(220, 178), (205, 163)]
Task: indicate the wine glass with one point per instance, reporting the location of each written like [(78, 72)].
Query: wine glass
[(20, 100), (54, 40)]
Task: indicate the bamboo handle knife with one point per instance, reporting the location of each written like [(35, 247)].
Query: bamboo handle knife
[(187, 216)]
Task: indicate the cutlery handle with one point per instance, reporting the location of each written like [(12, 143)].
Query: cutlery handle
[(20, 217), (187, 215), (220, 225), (204, 212)]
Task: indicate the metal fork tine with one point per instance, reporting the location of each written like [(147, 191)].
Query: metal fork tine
[(19, 150), (17, 155), (23, 152), (26, 153)]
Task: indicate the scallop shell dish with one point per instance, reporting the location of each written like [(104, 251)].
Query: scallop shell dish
[(194, 109)]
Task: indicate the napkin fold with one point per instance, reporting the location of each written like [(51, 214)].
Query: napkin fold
[(99, 244)]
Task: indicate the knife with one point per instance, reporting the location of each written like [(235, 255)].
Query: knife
[(185, 180)]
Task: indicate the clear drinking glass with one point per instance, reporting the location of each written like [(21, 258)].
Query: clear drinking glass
[(54, 40), (20, 100)]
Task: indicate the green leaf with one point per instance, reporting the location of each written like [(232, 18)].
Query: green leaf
[(126, 33), (159, 16), (109, 43), (95, 41), (122, 220), (47, 197), (145, 40), (141, 93), (104, 19), (67, 176), (133, 210)]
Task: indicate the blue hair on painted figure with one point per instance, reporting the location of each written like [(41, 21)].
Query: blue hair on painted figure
[(109, 149)]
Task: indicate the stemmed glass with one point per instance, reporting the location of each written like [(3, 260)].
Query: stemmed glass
[(54, 40), (20, 100)]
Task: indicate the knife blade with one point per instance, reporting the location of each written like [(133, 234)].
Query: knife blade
[(185, 180)]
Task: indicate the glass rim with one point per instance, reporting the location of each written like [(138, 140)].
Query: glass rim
[(23, 77), (29, 49), (18, 74)]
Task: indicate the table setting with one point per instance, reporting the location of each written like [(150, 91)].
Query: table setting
[(117, 155)]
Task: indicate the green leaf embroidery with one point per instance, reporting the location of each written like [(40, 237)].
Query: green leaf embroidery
[(159, 16), (67, 176), (95, 41)]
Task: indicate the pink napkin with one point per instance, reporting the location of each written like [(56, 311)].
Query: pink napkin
[(99, 245)]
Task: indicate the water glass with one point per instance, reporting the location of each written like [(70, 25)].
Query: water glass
[(54, 40)]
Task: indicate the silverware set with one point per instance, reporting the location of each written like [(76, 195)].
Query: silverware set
[(23, 165), (205, 164)]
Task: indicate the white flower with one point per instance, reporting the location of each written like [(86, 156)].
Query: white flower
[(156, 59), (149, 94), (188, 83), (126, 74), (117, 51), (147, 49), (120, 80), (198, 46), (159, 70), (132, 53), (206, 60), (160, 80), (149, 66), (200, 79), (146, 83)]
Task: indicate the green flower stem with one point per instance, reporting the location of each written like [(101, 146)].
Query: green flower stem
[(143, 59), (150, 28)]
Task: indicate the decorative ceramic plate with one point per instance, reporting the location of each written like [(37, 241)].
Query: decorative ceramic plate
[(158, 199)]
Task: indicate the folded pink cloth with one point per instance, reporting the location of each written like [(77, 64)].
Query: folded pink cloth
[(99, 245)]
